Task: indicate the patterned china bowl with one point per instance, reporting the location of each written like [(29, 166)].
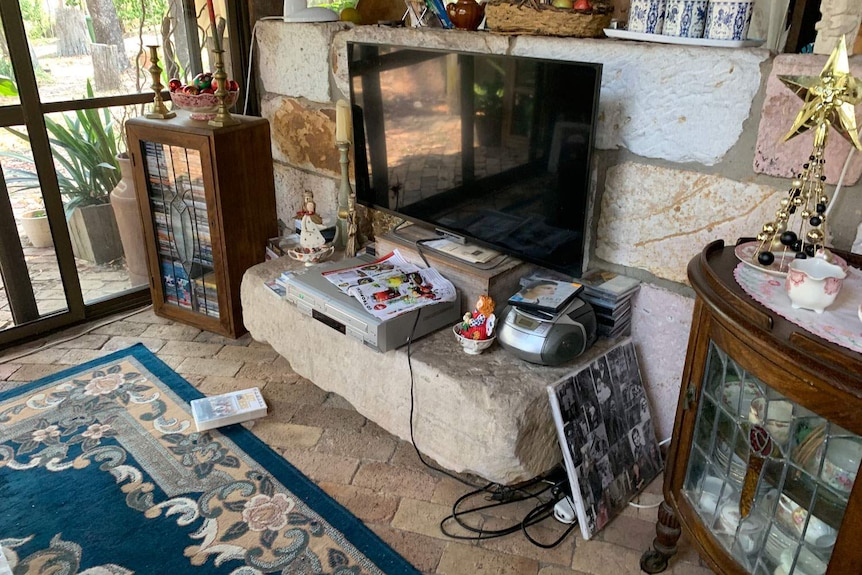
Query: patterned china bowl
[(201, 106), (841, 463), (472, 346), (311, 256)]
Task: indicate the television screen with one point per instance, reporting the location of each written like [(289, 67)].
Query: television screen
[(495, 149)]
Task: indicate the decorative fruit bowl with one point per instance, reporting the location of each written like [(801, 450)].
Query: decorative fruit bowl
[(201, 106), (311, 256)]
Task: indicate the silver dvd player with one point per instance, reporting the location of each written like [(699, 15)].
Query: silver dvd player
[(315, 296)]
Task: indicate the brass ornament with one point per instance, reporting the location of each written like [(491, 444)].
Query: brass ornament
[(829, 100)]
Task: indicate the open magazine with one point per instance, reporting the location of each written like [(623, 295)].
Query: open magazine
[(391, 286)]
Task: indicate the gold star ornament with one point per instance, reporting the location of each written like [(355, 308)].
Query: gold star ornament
[(829, 99)]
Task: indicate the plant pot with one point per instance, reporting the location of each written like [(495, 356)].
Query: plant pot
[(94, 234), (35, 225), (489, 130), (128, 215)]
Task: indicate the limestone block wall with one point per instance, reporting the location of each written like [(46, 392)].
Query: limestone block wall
[(675, 164)]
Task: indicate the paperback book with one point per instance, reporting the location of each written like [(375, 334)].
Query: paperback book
[(545, 295), (228, 408)]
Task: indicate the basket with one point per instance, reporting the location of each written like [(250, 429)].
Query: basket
[(545, 20)]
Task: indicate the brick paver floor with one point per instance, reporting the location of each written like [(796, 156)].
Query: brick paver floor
[(376, 475)]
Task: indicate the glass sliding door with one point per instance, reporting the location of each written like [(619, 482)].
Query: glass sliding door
[(70, 75)]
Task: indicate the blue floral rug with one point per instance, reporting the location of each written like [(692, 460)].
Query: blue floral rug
[(103, 473)]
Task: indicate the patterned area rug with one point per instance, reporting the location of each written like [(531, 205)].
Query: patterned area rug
[(103, 473)]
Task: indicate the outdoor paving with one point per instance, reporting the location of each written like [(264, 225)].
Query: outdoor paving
[(374, 474), (97, 281)]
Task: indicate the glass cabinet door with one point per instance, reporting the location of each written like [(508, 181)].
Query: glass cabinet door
[(175, 188), (769, 478)]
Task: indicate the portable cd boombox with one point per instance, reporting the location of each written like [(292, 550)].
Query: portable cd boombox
[(548, 339)]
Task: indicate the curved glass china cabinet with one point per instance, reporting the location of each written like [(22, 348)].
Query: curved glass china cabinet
[(766, 443)]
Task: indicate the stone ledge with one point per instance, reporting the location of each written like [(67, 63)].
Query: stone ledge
[(488, 415)]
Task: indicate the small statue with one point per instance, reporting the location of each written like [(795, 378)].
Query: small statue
[(310, 237), (309, 208), (352, 247), (480, 324)]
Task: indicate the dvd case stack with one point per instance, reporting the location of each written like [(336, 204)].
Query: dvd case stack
[(181, 224), (610, 294), (545, 297)]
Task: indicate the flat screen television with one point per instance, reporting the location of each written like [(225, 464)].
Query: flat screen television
[(494, 149)]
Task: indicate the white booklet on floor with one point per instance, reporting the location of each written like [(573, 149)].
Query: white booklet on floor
[(228, 408)]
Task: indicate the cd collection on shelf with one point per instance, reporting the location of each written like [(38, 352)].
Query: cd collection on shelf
[(610, 294), (181, 223)]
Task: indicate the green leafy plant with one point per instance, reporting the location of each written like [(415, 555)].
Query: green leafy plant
[(7, 86), (84, 147)]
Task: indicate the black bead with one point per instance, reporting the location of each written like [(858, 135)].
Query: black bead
[(810, 157), (805, 166), (765, 258), (809, 249), (815, 221), (801, 256), (796, 192), (797, 246), (788, 238), (791, 209), (821, 208)]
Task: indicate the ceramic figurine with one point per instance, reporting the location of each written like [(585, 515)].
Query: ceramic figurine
[(309, 234), (479, 325)]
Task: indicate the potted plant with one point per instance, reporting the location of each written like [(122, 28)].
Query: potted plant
[(34, 222), (84, 146), (488, 107)]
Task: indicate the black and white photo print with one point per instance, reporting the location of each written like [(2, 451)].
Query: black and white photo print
[(605, 430)]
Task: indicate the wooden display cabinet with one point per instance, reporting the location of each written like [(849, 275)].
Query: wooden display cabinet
[(753, 378), (207, 200)]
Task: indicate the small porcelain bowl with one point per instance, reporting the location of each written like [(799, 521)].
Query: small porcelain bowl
[(841, 463), (813, 283), (776, 416), (311, 256), (472, 346)]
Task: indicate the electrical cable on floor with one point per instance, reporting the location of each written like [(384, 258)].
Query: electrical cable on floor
[(76, 335)]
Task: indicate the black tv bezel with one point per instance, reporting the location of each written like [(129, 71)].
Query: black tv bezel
[(361, 168)]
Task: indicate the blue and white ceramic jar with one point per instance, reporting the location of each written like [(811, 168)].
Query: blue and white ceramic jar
[(685, 18), (728, 19), (646, 16)]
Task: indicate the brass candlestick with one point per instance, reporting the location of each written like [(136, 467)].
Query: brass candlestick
[(344, 192), (222, 117), (159, 109)]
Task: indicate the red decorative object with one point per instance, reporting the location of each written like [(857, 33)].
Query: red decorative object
[(466, 14), (582, 5)]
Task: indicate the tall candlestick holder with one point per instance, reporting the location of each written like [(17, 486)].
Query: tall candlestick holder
[(222, 117), (159, 110), (346, 215)]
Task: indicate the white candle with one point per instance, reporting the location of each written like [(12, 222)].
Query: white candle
[(343, 128)]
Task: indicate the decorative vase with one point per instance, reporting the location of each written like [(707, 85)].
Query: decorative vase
[(466, 14), (128, 214), (35, 225)]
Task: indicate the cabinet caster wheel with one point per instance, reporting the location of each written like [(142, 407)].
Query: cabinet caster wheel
[(653, 562)]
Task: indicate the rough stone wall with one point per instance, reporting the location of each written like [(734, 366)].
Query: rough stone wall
[(838, 18), (674, 169)]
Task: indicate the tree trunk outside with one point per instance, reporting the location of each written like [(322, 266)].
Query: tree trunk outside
[(106, 73), (71, 29), (106, 28)]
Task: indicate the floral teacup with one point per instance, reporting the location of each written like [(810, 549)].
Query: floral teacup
[(841, 463), (813, 283)]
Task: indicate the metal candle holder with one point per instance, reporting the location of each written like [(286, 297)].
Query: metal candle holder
[(222, 117), (159, 109)]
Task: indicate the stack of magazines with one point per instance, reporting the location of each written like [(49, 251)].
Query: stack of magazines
[(610, 294)]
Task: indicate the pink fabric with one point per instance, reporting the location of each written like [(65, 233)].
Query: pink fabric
[(839, 323)]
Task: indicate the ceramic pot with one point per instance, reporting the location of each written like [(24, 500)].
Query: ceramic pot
[(35, 224), (466, 14), (685, 18), (128, 215), (728, 20), (813, 283), (646, 16)]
